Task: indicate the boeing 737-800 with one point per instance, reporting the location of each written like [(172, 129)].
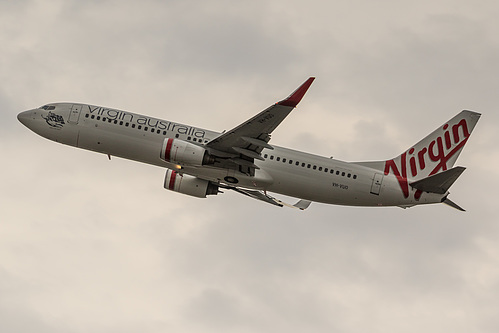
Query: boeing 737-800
[(200, 162)]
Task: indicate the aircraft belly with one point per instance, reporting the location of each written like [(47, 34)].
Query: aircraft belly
[(120, 145), (312, 186), (334, 189)]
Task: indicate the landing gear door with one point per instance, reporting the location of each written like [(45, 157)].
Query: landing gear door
[(74, 113), (377, 181)]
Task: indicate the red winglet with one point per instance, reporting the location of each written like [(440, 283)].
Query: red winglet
[(298, 94)]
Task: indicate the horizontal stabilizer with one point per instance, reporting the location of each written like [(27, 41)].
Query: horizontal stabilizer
[(440, 182), (302, 204), (451, 203)]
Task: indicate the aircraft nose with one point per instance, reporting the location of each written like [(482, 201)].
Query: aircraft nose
[(24, 117)]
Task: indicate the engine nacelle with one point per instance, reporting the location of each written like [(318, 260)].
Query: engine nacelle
[(190, 185), (184, 153)]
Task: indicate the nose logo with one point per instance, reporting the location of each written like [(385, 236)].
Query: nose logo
[(54, 120)]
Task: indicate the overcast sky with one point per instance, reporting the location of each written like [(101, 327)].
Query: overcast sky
[(91, 245)]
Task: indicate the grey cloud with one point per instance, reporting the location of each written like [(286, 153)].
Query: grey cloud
[(415, 75), (100, 246), (16, 312)]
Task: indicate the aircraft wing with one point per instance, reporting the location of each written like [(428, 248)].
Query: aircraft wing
[(260, 195), (244, 143)]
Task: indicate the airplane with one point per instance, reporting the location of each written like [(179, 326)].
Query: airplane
[(201, 162)]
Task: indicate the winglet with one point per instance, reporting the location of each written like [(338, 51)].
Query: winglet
[(295, 98)]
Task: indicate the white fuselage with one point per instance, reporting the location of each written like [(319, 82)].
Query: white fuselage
[(285, 171)]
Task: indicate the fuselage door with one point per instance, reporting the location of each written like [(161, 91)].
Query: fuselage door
[(74, 114), (377, 181)]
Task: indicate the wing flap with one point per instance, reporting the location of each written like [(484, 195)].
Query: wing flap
[(243, 162), (249, 153), (257, 142)]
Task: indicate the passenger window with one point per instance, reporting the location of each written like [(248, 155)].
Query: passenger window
[(308, 166), (343, 174), (176, 135), (271, 157), (98, 117), (290, 161), (325, 169), (297, 163), (121, 123), (93, 116), (115, 121), (133, 125), (86, 115), (320, 168), (284, 160), (189, 138), (126, 124), (265, 156), (145, 128), (354, 176), (139, 127), (164, 132), (303, 165), (337, 172), (315, 167)]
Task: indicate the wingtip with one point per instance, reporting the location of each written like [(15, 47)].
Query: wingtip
[(298, 94)]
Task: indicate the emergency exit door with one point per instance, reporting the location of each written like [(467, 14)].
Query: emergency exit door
[(74, 114), (376, 185)]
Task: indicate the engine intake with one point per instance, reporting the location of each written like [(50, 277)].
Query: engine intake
[(184, 153), (190, 185)]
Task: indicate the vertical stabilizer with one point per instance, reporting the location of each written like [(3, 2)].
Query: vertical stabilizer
[(435, 153), (438, 151)]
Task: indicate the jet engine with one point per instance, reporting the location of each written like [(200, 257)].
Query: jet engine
[(190, 185), (183, 152)]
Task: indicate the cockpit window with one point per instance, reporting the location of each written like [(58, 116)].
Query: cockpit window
[(47, 107)]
